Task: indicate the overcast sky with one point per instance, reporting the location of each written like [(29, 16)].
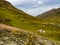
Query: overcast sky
[(35, 7)]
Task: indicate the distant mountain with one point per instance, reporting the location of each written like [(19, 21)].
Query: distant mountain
[(51, 23), (51, 15)]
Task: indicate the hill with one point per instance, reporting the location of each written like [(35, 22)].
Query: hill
[(12, 16), (51, 16), (14, 36), (51, 23)]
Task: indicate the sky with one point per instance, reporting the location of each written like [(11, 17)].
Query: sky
[(35, 7)]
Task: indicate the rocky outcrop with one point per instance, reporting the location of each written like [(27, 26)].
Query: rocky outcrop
[(17, 37)]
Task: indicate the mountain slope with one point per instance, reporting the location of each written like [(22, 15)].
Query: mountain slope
[(51, 23), (51, 16), (14, 36), (12, 16)]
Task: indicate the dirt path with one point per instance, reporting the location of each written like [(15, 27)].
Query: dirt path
[(3, 26)]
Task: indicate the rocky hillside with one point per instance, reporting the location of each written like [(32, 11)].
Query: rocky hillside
[(14, 36)]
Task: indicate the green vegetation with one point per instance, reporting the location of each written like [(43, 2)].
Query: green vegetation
[(51, 16), (9, 15), (8, 37), (14, 37), (52, 20), (14, 17)]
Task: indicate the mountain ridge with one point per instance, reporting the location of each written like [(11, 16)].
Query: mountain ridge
[(51, 15), (9, 15)]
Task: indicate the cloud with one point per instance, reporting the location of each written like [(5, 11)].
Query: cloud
[(38, 4), (39, 10), (35, 7), (30, 3)]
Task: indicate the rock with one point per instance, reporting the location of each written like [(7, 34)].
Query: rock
[(15, 36), (9, 37), (41, 31)]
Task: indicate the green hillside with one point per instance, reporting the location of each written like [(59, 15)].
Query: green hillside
[(51, 16), (12, 16), (17, 36), (51, 23)]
